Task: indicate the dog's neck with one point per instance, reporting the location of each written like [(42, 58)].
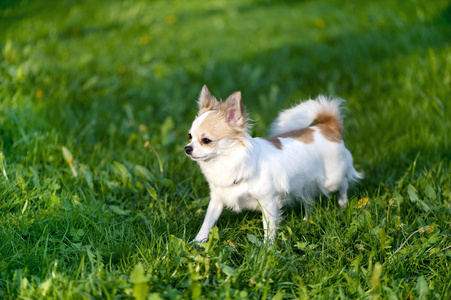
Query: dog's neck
[(231, 168)]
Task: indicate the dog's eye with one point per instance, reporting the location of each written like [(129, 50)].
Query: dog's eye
[(189, 136), (206, 141)]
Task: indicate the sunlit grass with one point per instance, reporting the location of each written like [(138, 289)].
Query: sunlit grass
[(98, 200)]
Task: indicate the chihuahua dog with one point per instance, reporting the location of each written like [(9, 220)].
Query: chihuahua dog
[(304, 156)]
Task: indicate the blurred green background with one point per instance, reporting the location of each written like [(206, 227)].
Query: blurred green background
[(105, 62), (98, 65), (96, 98)]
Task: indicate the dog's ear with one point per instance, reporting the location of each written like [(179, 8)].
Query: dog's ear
[(235, 111), (206, 101)]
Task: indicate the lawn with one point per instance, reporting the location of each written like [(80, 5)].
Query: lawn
[(98, 200)]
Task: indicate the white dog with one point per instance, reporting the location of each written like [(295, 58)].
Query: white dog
[(304, 156)]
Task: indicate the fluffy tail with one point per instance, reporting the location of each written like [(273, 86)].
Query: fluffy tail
[(322, 110)]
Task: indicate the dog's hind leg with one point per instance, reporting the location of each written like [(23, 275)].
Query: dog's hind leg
[(308, 208), (343, 194)]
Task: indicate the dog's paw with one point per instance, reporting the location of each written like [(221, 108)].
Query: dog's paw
[(198, 241), (342, 203), (269, 242)]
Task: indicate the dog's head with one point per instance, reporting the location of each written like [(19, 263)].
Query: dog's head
[(218, 126)]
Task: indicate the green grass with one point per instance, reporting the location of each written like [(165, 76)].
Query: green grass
[(98, 200)]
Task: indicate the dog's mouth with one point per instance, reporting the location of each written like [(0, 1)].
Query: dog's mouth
[(200, 158)]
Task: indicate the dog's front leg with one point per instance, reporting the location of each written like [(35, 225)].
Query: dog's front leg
[(271, 218), (214, 210)]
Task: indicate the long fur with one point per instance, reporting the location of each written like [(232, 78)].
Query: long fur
[(305, 113), (305, 156)]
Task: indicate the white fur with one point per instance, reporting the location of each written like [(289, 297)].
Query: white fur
[(303, 114), (259, 176), (199, 153)]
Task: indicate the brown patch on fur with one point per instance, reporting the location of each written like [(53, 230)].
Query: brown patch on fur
[(275, 142), (225, 106), (330, 127), (207, 102), (216, 125), (216, 128), (304, 135), (211, 104)]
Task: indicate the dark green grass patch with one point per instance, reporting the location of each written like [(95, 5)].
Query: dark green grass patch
[(97, 199)]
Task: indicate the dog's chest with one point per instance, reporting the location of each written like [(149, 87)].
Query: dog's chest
[(226, 173), (236, 196)]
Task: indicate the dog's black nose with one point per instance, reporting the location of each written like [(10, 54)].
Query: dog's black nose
[(188, 150)]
